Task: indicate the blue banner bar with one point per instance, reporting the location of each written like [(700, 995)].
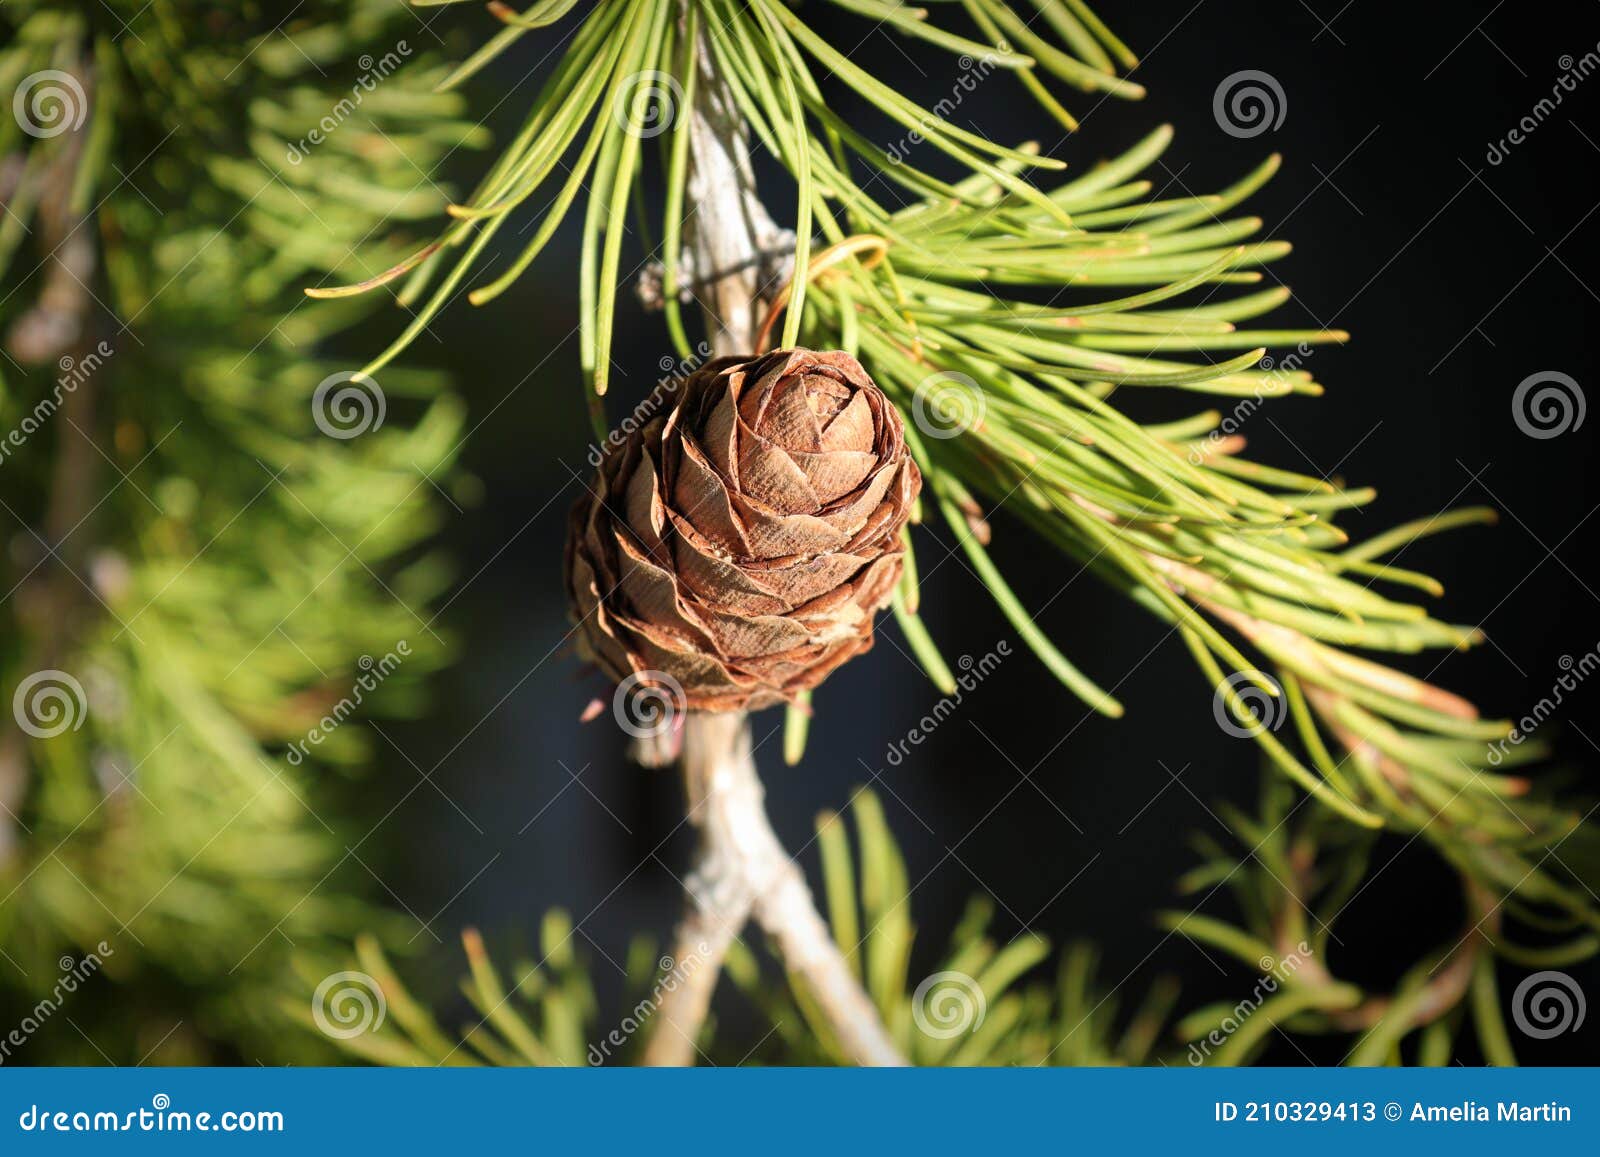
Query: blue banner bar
[(760, 1111)]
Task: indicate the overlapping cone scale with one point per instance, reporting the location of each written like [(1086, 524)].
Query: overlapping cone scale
[(742, 541)]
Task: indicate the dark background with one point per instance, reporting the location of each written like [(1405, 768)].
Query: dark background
[(1458, 279)]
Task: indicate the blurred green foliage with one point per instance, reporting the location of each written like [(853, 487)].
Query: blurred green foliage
[(202, 572)]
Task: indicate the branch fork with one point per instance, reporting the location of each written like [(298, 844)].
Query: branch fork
[(742, 871)]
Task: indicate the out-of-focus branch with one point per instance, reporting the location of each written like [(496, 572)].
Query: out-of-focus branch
[(54, 331)]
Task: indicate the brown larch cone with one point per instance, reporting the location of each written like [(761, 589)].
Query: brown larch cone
[(740, 543)]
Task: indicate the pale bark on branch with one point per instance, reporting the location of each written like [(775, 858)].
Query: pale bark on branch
[(741, 868)]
